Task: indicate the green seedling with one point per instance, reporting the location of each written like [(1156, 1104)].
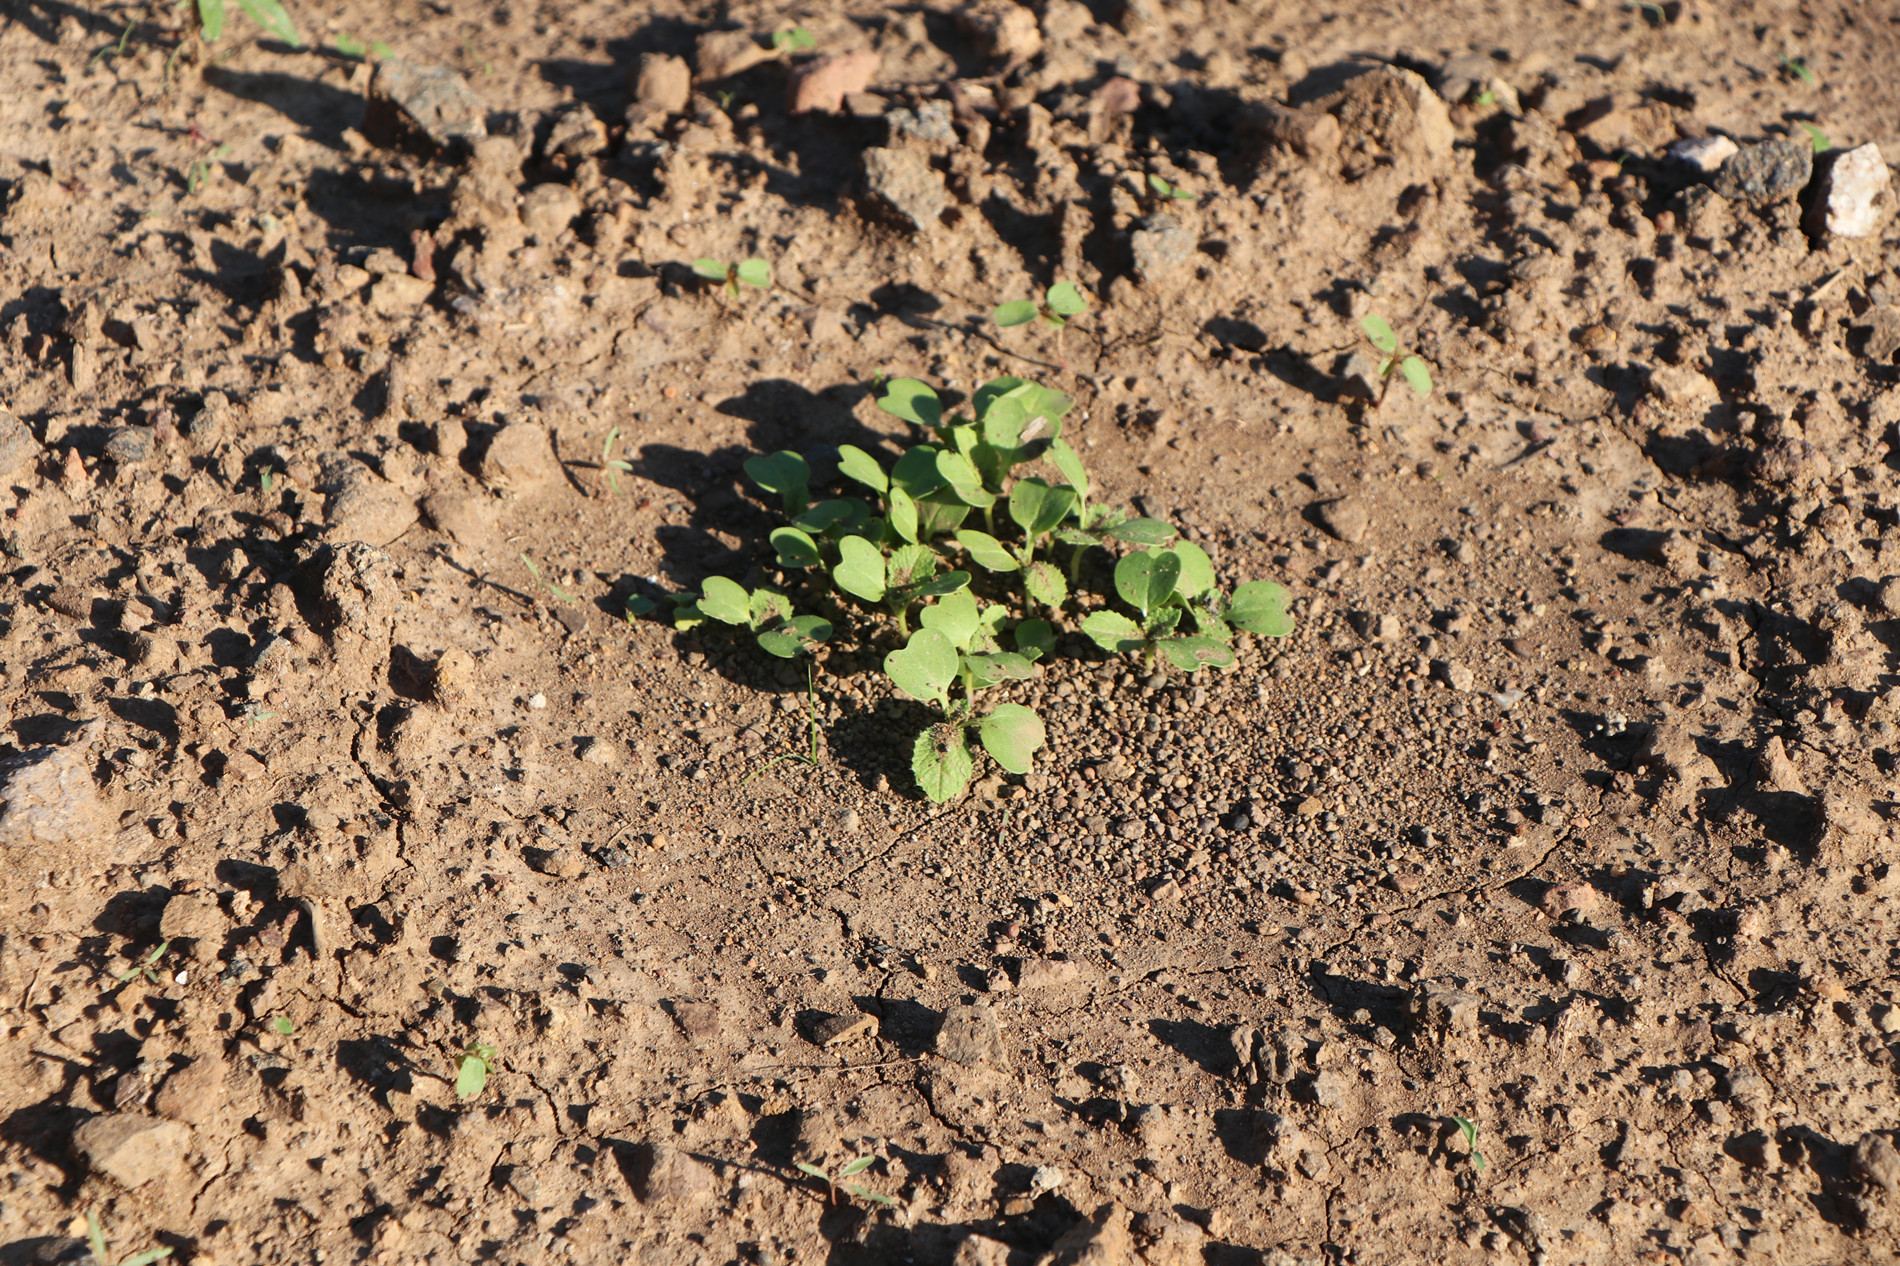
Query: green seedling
[(753, 272), (268, 14), (1411, 367), (1799, 69), (833, 1184), (266, 478), (284, 1025), (638, 605), (795, 40), (549, 585), (96, 1234), (766, 612), (1468, 1128), (1167, 192), (200, 170), (147, 967), (350, 46), (472, 1067), (1164, 586), (115, 51), (1059, 303), (611, 466), (939, 666), (804, 758), (1486, 99), (1817, 138)]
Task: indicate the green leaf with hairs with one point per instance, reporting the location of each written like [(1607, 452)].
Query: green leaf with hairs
[(940, 760), (1012, 734), (1045, 583), (1190, 653), (1114, 632)]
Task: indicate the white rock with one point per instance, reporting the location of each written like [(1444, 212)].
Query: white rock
[(1851, 202), (1705, 154)]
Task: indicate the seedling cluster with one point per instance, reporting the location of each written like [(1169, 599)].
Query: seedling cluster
[(953, 535), (753, 272), (1410, 367)]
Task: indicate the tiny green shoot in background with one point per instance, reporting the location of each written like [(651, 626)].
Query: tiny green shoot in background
[(472, 1067), (1169, 192), (1059, 303), (1468, 1128), (794, 40), (96, 1234), (833, 1183), (753, 272), (1411, 367)]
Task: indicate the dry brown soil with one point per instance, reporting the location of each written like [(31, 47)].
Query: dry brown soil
[(1567, 810)]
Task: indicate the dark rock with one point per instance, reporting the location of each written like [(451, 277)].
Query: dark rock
[(1766, 172), (130, 445), (433, 99)]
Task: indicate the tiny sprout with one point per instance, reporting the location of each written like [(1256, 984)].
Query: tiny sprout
[(283, 1024), (1799, 69), (552, 588), (1163, 189), (268, 14), (855, 1168), (145, 968), (1411, 367), (96, 1234), (1060, 302), (350, 46), (472, 1067), (1468, 1128), (1818, 138), (753, 272), (795, 40), (1486, 99), (609, 464)]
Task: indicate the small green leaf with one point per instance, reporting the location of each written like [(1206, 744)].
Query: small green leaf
[(381, 51), (866, 1194), (784, 473), (1190, 653), (211, 19), (1065, 299), (1016, 312), (472, 1068), (1044, 583), (925, 667), (1380, 333), (860, 569), (639, 604), (800, 633), (1037, 507), (1259, 607), (1159, 185), (916, 471), (1817, 138), (813, 1170), (710, 269), (271, 16), (987, 670), (939, 513), (686, 615), (903, 514), (910, 565), (913, 401), (756, 273), (1144, 532), (828, 513), (725, 600), (769, 605), (1114, 632), (795, 548), (857, 1166), (855, 463), (986, 551), (97, 1235), (944, 585), (1146, 579), (954, 616), (283, 1025), (1417, 375), (1011, 735), (940, 760), (1035, 638), (1069, 465), (964, 481), (1197, 570), (349, 45), (146, 1258)]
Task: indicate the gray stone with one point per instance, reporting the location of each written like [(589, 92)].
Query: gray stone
[(661, 85), (132, 1150), (1876, 1163), (434, 99), (17, 445), (1453, 674), (1704, 154), (1766, 172), (50, 798), (1346, 518), (130, 445), (1444, 1013), (667, 1176), (971, 1036), (1161, 245), (929, 122), (907, 186)]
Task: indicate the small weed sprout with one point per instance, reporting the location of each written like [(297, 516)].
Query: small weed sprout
[(610, 466), (1819, 139), (472, 1067), (147, 968), (268, 14), (810, 758), (96, 1234), (1166, 191), (1469, 1129), (1410, 366), (753, 272), (200, 170), (549, 585), (350, 46), (1060, 302), (794, 40), (834, 1185), (284, 1025), (1799, 69)]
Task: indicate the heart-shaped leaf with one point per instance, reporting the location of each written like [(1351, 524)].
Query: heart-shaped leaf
[(903, 514), (960, 474), (783, 473), (1016, 312), (925, 667), (1259, 607), (1037, 507), (1035, 638), (725, 601), (755, 272), (1190, 653), (911, 400), (985, 397), (1145, 579), (1011, 735), (860, 569), (1197, 569), (954, 616), (769, 605), (1003, 422), (939, 514), (940, 760), (855, 463), (916, 471), (1143, 532), (827, 514), (1065, 460), (944, 585), (795, 548), (710, 269), (1065, 299), (1380, 333), (987, 670), (1045, 583), (800, 633), (686, 615), (1417, 375), (986, 551), (1114, 632)]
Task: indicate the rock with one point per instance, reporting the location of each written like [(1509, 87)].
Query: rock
[(1671, 750), (356, 590), (1776, 771), (697, 1019), (17, 445), (1790, 460), (521, 459), (1443, 1014), (1329, 1088), (981, 1250), (1882, 333), (432, 98), (130, 445), (132, 1150), (1454, 674), (930, 123), (1393, 110), (905, 184), (196, 919), (1681, 388), (1358, 376), (1766, 172), (547, 210), (576, 133), (823, 83), (366, 508), (396, 294), (49, 796), (835, 1030), (72, 602), (556, 863), (719, 54), (661, 85), (1704, 154), (1346, 518), (596, 751), (1846, 814), (1308, 134), (1876, 1162), (1853, 198), (971, 1036), (1001, 30), (667, 1176), (1888, 597), (1040, 973), (467, 517), (1101, 1241), (1161, 246), (1560, 899)]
